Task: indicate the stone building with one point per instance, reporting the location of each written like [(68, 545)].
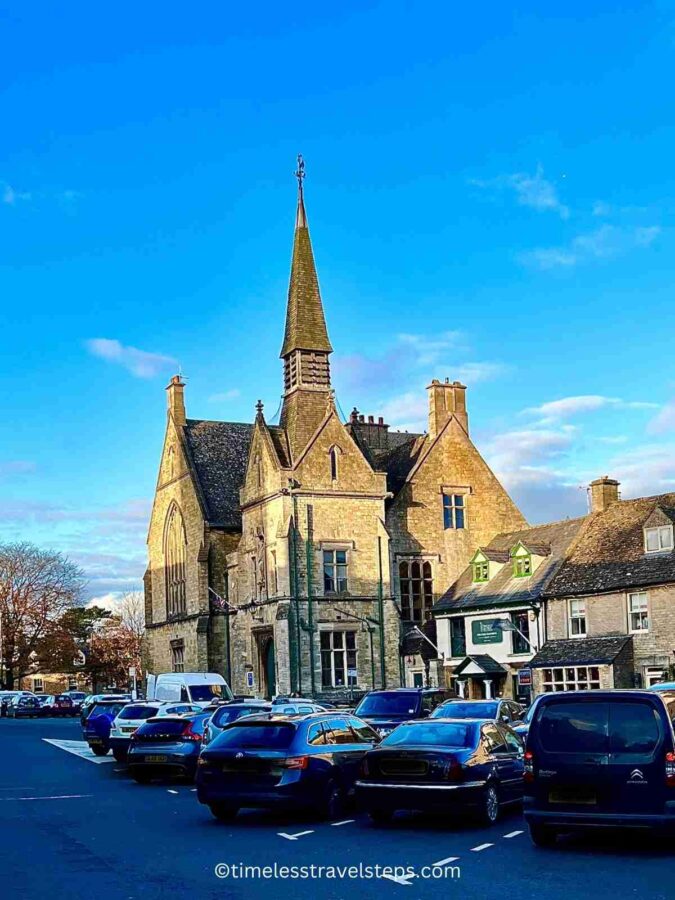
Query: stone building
[(306, 555)]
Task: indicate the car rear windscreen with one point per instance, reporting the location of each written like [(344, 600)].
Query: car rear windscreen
[(433, 734), (167, 727), (263, 735), (570, 727), (464, 710), (633, 728), (103, 709), (388, 703), (138, 712), (231, 713)]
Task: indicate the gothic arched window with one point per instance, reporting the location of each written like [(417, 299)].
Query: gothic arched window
[(417, 590), (333, 454), (175, 549)]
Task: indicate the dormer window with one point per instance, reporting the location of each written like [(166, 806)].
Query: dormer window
[(658, 539), (522, 566), (481, 571)]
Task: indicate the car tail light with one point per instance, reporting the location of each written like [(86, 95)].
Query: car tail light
[(528, 760), (364, 769), (294, 762), (190, 735), (455, 771), (670, 769)]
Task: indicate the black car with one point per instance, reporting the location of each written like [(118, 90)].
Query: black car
[(506, 711), (230, 712), (385, 710), (443, 765), (166, 746), (599, 758), (286, 762), (23, 707)]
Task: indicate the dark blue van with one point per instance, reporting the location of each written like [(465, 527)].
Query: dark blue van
[(599, 759)]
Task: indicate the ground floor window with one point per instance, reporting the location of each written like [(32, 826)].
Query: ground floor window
[(457, 637), (177, 656), (38, 685), (72, 684), (571, 678), (338, 658), (655, 674)]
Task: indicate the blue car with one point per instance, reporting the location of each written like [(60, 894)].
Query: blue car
[(98, 724), (166, 747), (286, 762)]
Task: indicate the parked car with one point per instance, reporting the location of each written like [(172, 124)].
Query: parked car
[(23, 706), (7, 696), (188, 687), (166, 746), (282, 761), (443, 765), (131, 717), (599, 758), (92, 699), (506, 711), (521, 728), (63, 706), (78, 698), (662, 686), (98, 725), (230, 712), (384, 710)]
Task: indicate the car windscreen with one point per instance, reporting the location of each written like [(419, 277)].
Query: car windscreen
[(202, 692), (228, 714), (259, 735), (436, 734), (106, 709), (574, 727), (388, 703), (138, 712), (166, 727), (462, 710)]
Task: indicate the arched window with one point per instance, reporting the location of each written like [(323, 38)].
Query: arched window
[(417, 590), (333, 454), (175, 547), (170, 461)]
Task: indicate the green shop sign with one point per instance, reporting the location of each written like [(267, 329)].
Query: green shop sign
[(486, 631)]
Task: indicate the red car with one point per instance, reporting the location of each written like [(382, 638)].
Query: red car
[(63, 706)]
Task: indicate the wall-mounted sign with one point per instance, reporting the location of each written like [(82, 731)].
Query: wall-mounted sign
[(486, 631), (249, 679), (525, 677)]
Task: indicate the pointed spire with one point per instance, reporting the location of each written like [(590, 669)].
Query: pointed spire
[(305, 322)]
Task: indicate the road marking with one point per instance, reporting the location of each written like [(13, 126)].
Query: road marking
[(193, 790), (513, 834), (293, 837), (56, 797), (345, 822), (481, 847), (401, 879), (169, 791), (79, 748), (444, 862)]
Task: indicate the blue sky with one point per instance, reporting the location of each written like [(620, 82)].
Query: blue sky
[(491, 197)]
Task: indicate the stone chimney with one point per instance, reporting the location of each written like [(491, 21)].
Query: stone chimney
[(604, 492), (176, 400), (445, 400)]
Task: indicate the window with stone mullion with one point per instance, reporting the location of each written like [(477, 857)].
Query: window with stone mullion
[(416, 588)]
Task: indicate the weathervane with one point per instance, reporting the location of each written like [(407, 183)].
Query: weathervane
[(300, 171)]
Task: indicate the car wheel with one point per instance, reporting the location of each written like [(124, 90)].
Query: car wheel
[(334, 801), (223, 812), (142, 777), (542, 835), (381, 816), (120, 756), (490, 808), (100, 751)]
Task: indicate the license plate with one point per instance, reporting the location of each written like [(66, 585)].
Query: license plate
[(96, 741), (578, 798), (155, 758), (128, 730)]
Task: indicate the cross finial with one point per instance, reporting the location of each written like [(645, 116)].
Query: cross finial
[(259, 407), (300, 171)]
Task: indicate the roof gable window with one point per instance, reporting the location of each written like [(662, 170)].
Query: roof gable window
[(481, 572), (658, 539), (453, 511)]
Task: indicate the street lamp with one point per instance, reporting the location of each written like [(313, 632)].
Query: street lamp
[(507, 625)]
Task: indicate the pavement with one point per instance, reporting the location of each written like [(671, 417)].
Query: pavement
[(76, 826)]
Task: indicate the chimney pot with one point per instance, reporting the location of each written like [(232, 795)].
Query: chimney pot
[(380, 420), (604, 493), (371, 420), (176, 400)]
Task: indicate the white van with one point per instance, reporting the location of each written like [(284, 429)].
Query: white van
[(188, 687)]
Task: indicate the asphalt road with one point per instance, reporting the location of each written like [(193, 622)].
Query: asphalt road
[(75, 828)]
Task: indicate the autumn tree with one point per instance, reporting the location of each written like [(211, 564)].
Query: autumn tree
[(36, 588), (117, 644), (67, 638)]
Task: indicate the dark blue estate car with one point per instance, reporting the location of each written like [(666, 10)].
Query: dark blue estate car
[(287, 762), (600, 758), (97, 726), (167, 746), (443, 765), (385, 710)]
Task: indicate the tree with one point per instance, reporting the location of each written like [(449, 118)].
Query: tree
[(68, 637), (36, 588)]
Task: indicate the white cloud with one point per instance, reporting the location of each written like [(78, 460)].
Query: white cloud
[(583, 403), (605, 242), (108, 601), (664, 421), (473, 372), (10, 196), (533, 191), (224, 396), (140, 363), (645, 470)]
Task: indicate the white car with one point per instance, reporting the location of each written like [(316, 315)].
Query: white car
[(296, 708), (134, 714)]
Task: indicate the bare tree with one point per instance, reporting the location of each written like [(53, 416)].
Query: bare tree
[(132, 613), (36, 587)]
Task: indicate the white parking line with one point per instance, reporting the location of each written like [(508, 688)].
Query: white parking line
[(293, 837), (513, 834), (345, 822), (444, 862), (55, 797), (169, 791), (481, 847), (79, 748), (401, 879)]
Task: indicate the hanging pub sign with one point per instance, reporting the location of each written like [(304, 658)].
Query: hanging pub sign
[(486, 631)]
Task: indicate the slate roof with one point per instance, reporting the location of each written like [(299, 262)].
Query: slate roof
[(552, 541), (218, 455), (610, 553), (489, 665), (580, 651), (412, 642), (397, 460)]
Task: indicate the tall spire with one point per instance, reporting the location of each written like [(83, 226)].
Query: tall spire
[(305, 322)]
